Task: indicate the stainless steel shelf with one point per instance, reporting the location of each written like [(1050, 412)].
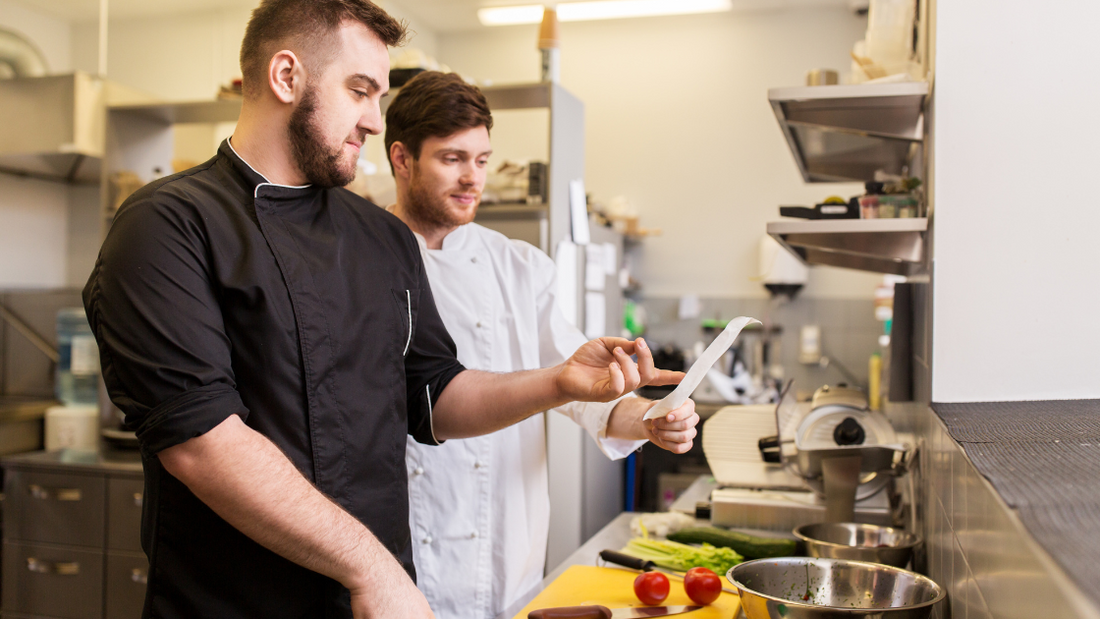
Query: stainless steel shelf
[(848, 132), (878, 245), (214, 111)]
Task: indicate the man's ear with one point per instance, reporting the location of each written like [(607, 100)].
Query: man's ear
[(401, 160), (285, 76)]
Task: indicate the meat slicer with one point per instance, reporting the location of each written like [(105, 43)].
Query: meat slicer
[(831, 459)]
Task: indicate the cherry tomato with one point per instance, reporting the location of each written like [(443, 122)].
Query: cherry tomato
[(651, 587), (702, 585)]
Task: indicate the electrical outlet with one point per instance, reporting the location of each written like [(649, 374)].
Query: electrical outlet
[(809, 345)]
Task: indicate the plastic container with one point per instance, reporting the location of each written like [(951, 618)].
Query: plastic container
[(72, 427), (869, 202), (77, 379)]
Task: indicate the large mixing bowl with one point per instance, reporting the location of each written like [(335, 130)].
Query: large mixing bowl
[(858, 542), (814, 588)]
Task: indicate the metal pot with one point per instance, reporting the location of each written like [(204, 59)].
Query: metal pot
[(858, 542), (813, 588)]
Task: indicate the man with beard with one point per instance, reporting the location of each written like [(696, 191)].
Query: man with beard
[(273, 339), (481, 506)]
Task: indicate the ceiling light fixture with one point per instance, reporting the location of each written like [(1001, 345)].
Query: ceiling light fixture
[(599, 9)]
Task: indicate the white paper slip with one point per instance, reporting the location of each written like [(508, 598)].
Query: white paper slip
[(698, 370)]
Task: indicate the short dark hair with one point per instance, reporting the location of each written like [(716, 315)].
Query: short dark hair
[(305, 27), (434, 105)]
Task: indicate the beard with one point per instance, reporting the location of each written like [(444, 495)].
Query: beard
[(321, 165), (429, 208)]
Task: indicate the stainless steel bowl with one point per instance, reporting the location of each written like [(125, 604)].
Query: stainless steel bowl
[(858, 542), (814, 588)]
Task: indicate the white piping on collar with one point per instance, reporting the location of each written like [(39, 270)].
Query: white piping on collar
[(256, 191)]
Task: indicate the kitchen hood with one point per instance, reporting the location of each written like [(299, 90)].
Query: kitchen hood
[(53, 127)]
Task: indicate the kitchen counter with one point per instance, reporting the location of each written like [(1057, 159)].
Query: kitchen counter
[(1040, 461), (66, 460), (614, 536)]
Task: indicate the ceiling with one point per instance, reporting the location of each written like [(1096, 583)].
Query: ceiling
[(439, 15)]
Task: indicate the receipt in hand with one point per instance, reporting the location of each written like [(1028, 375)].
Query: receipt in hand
[(695, 375)]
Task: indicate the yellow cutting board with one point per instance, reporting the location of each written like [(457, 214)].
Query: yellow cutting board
[(614, 588)]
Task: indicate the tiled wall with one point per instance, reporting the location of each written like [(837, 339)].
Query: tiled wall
[(849, 331), (975, 546)]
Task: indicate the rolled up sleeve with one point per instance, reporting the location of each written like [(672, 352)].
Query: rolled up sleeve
[(153, 306), (431, 363)]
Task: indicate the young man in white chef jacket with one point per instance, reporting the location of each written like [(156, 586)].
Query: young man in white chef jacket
[(480, 507)]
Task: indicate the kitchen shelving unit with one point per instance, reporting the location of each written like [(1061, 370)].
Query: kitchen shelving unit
[(848, 133), (139, 138), (880, 245)]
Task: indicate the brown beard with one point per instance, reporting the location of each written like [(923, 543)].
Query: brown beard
[(427, 209), (320, 165)]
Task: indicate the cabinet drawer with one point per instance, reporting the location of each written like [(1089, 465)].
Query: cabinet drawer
[(53, 581), (124, 498), (125, 579), (54, 508)]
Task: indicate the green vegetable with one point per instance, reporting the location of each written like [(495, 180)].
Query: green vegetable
[(751, 546), (681, 557)]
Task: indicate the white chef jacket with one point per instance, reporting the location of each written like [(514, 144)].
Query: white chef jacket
[(480, 507)]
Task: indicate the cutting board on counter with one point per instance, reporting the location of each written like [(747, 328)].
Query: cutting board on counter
[(614, 588)]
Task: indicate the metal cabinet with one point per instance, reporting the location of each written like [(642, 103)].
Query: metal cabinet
[(72, 537)]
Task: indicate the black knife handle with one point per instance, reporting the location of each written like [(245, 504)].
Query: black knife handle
[(625, 560), (571, 612)]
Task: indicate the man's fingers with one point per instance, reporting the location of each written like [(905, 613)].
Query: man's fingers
[(679, 425), (666, 377), (615, 378), (630, 370), (646, 370)]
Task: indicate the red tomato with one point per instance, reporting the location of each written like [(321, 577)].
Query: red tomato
[(651, 587), (702, 585)]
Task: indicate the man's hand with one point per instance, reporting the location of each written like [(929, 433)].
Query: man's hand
[(602, 370), (674, 432)]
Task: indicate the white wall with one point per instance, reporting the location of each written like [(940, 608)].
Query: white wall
[(34, 214), (52, 36), (183, 57), (1016, 298), (678, 120), (33, 233)]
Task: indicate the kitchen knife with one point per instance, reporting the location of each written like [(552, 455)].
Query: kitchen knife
[(603, 612), (636, 563)]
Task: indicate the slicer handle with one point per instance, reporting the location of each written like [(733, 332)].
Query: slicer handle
[(571, 612), (769, 449), (625, 560)]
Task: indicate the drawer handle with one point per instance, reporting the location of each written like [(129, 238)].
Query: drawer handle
[(61, 494), (139, 575), (37, 566), (137, 499)]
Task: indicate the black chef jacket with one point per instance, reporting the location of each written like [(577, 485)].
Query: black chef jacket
[(306, 312)]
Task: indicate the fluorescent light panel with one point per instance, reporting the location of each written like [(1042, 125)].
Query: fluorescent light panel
[(599, 9)]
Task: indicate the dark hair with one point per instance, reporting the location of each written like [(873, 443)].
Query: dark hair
[(305, 27), (434, 105)]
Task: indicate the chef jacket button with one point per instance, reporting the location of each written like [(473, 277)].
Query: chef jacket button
[(479, 324), (418, 471), (427, 539), (474, 259), (473, 535), (478, 465)]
